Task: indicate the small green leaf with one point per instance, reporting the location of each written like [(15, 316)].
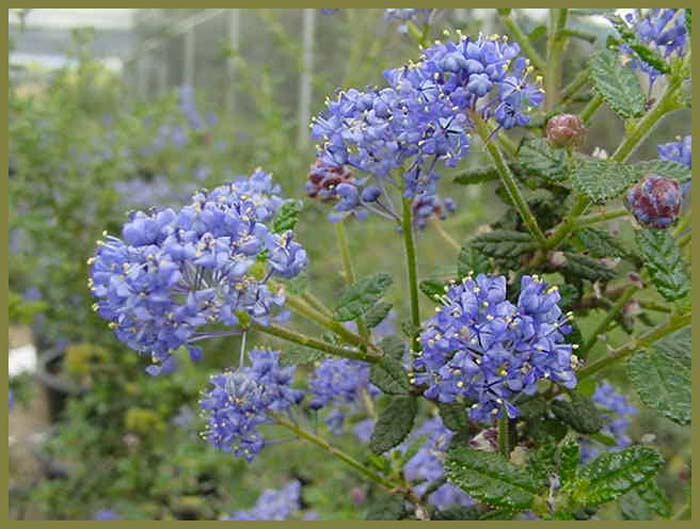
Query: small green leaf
[(580, 413), (538, 157), (394, 424), (287, 216), (476, 176), (668, 168), (580, 266), (393, 347), (599, 243), (390, 376), (645, 501), (386, 508), (617, 84), (613, 474), (488, 477), (503, 243), (361, 296), (471, 260), (602, 180), (662, 377), (435, 290), (569, 459), (377, 314), (454, 416), (300, 355), (665, 264)]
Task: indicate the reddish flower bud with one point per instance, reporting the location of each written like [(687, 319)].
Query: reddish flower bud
[(324, 178), (566, 130), (655, 202)]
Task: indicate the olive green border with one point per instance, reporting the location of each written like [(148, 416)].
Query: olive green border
[(695, 197)]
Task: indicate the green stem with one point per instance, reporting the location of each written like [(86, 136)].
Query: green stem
[(654, 335), (685, 239), (503, 441), (411, 267), (522, 39), (684, 513), (508, 179), (307, 341), (316, 303), (562, 231), (349, 270), (555, 49), (591, 108), (610, 315), (595, 218)]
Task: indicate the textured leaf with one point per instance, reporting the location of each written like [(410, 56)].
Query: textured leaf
[(585, 267), (669, 168), (665, 264), (361, 296), (390, 376), (613, 474), (394, 347), (538, 157), (488, 477), (477, 176), (599, 243), (394, 424), (602, 180), (617, 84), (471, 260), (503, 243), (454, 416), (435, 290), (644, 501), (662, 376), (580, 413), (568, 460), (377, 314), (300, 355), (287, 216)]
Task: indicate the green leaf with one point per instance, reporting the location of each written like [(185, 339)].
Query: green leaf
[(361, 296), (569, 459), (393, 347), (601, 180), (287, 216), (435, 290), (300, 355), (538, 157), (618, 85), (644, 501), (580, 413), (488, 477), (669, 168), (476, 176), (580, 266), (665, 264), (394, 424), (503, 243), (386, 508), (599, 243), (454, 416), (471, 260), (377, 314), (662, 377), (390, 376), (613, 474)]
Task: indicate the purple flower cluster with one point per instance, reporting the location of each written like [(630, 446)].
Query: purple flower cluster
[(421, 119), (663, 30), (239, 402), (175, 272), (274, 504), (481, 347), (655, 202), (338, 383), (677, 151), (616, 413), (426, 466)]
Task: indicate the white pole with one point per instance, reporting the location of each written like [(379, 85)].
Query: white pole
[(305, 87), (234, 37)]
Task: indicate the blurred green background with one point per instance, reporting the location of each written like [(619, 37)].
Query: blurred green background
[(101, 122)]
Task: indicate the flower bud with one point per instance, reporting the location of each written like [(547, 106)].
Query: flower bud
[(324, 178), (655, 202), (565, 130)]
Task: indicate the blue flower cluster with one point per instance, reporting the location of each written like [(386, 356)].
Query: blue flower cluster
[(663, 30), (421, 119), (339, 383), (175, 272), (481, 347), (239, 402), (274, 504), (426, 466), (616, 412)]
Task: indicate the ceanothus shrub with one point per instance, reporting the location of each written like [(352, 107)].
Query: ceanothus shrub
[(484, 400)]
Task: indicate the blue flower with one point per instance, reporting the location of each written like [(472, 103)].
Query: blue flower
[(616, 412), (677, 151), (106, 514), (239, 403), (174, 273), (482, 348), (273, 504)]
